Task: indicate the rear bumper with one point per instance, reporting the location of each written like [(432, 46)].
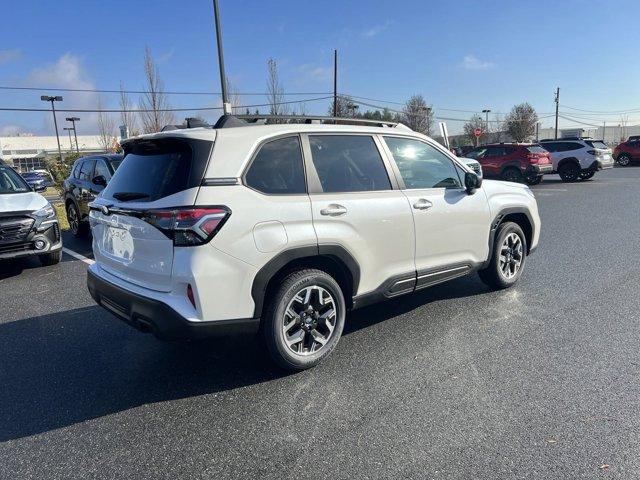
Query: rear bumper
[(601, 165), (151, 315), (540, 169)]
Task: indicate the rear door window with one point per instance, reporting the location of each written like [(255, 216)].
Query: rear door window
[(86, 171), (153, 169), (277, 169), (348, 163)]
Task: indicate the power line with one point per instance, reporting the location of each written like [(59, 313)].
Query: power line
[(612, 112), (172, 92), (116, 110)]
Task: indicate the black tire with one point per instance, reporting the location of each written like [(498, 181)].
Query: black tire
[(623, 160), (493, 275), (512, 175), (587, 175), (569, 172), (533, 180), (273, 321), (77, 226), (51, 258)]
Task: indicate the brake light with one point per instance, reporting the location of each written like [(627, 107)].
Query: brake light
[(188, 226), (592, 152)]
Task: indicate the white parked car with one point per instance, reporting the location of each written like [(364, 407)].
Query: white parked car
[(28, 222), (578, 158), (287, 227)]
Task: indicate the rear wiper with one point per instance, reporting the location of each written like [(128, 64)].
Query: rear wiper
[(127, 196)]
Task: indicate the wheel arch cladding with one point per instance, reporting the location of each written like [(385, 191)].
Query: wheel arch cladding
[(569, 160), (517, 215), (333, 259)]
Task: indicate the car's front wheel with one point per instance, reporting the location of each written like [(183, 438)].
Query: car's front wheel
[(624, 160), (304, 319), (507, 257)]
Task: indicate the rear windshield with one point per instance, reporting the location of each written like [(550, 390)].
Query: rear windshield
[(155, 169), (596, 144), (536, 149)]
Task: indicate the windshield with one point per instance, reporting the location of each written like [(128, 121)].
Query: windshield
[(11, 182)]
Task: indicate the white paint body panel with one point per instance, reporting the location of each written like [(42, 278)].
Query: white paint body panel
[(21, 202)]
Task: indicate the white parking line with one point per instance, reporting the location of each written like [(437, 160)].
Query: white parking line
[(82, 258)]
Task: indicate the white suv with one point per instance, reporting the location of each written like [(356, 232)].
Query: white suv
[(285, 227), (578, 158)]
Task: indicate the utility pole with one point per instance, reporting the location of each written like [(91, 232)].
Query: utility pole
[(73, 120), (486, 122), (335, 83), (604, 130), (537, 132), (46, 98), (226, 106), (68, 129), (557, 105)]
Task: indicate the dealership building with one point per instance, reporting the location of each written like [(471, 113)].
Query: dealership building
[(27, 152)]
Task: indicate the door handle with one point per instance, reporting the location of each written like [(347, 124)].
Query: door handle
[(422, 204), (334, 210)]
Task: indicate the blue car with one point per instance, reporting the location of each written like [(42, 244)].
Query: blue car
[(36, 181)]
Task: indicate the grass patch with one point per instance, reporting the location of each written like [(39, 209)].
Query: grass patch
[(62, 216), (51, 192)]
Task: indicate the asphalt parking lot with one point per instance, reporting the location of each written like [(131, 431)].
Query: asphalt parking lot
[(540, 381)]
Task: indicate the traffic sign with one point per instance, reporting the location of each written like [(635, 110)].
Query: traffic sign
[(477, 132)]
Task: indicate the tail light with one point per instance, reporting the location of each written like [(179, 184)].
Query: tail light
[(188, 226), (535, 158), (592, 152)]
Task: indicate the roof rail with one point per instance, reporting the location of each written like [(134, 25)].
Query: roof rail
[(303, 119)]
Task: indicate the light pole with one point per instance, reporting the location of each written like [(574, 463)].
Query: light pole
[(46, 98), (226, 106), (73, 120), (486, 112), (68, 129)]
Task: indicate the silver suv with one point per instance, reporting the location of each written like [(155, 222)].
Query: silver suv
[(286, 227), (578, 158)]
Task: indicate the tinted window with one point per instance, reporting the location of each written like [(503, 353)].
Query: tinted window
[(476, 153), (596, 144), (115, 164), (153, 170), (86, 171), (101, 169), (11, 182), (348, 163), (550, 146), (76, 170), (496, 151), (421, 165), (569, 146), (536, 149), (278, 168)]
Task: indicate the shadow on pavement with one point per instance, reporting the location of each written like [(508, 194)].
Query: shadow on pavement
[(69, 367)]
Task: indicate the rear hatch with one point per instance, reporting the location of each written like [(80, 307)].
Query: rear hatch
[(156, 177)]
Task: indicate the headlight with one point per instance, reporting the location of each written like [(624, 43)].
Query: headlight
[(46, 212)]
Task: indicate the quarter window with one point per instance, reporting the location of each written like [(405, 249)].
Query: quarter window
[(278, 168), (421, 165), (348, 163)]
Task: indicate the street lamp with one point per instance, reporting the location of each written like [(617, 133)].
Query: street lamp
[(73, 120), (68, 129), (46, 98)]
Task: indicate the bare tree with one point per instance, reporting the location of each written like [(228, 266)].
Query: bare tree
[(127, 117), (154, 100), (624, 120), (418, 115), (476, 121), (106, 129), (520, 122), (275, 90), (344, 107)]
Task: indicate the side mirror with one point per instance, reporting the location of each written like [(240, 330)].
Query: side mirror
[(99, 180), (40, 187), (472, 182)]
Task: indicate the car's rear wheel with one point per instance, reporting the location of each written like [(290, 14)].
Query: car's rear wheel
[(533, 179), (587, 175), (507, 257), (304, 319), (569, 172), (624, 160), (51, 258), (512, 175), (77, 226)]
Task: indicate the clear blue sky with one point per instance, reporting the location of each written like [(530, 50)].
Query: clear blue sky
[(465, 55)]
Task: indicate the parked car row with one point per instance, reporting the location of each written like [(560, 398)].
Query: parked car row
[(571, 158)]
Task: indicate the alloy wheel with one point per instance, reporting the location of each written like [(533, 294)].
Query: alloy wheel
[(309, 320), (511, 254), (624, 160), (72, 216)]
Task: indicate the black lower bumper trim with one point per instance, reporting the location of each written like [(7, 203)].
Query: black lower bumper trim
[(150, 315)]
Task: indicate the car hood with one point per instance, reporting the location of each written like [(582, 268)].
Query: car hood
[(21, 202), (501, 185)]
